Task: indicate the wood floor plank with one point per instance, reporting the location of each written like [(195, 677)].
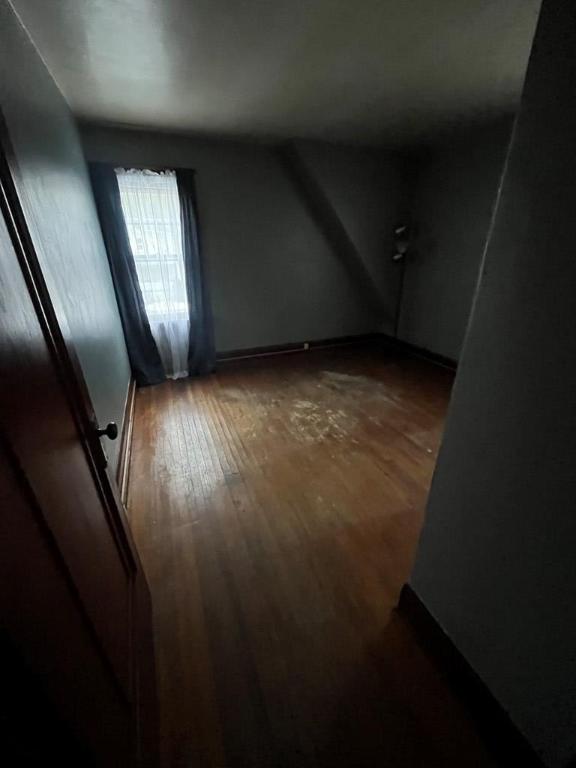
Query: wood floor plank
[(277, 506)]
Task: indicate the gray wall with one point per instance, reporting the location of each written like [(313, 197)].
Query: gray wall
[(274, 278), (496, 564), (57, 200), (368, 192), (455, 187)]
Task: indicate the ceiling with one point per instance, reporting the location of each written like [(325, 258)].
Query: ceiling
[(366, 71)]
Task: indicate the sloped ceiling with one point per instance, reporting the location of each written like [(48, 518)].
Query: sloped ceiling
[(369, 71)]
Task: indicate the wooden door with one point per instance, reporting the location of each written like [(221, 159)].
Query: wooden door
[(74, 601)]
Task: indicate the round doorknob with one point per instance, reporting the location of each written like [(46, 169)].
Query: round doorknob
[(110, 431)]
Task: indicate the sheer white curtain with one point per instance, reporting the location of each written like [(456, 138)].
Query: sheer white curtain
[(152, 213)]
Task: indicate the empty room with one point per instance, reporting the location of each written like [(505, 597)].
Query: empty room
[(286, 383)]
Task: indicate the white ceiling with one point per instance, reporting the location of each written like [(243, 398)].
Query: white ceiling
[(351, 70)]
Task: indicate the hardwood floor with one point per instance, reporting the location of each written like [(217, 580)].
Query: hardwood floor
[(276, 506)]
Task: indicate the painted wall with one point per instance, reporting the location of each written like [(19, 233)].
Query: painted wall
[(455, 187), (274, 277), (496, 562), (57, 200), (370, 195)]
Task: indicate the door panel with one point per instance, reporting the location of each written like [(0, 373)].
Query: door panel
[(76, 602), (44, 623)]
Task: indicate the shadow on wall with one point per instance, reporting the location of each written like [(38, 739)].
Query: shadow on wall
[(317, 202), (455, 184)]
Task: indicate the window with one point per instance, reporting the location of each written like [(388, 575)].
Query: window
[(152, 213), (151, 209)]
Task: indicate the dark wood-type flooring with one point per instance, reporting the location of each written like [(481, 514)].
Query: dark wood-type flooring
[(276, 506)]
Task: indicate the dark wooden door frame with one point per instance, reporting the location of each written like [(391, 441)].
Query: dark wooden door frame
[(71, 377)]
